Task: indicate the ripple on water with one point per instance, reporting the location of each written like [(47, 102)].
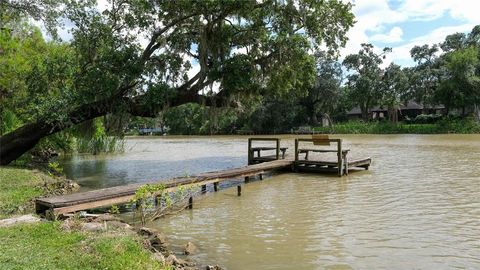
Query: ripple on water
[(418, 207)]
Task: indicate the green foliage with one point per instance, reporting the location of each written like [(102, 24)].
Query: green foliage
[(93, 138), (148, 200), (55, 168), (464, 126), (191, 118), (114, 210), (46, 246), (394, 90), (364, 82), (143, 199), (243, 47), (326, 96), (461, 85), (425, 119), (8, 121)]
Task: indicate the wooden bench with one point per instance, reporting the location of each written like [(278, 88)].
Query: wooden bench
[(259, 149), (340, 165), (258, 158), (306, 151)]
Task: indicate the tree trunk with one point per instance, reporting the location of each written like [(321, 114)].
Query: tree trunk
[(364, 114), (329, 120), (314, 119), (393, 114), (476, 112), (21, 140)]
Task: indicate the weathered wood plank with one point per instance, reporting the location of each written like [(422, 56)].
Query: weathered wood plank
[(351, 163), (122, 194)]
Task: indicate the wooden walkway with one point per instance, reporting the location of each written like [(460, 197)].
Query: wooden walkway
[(124, 194)]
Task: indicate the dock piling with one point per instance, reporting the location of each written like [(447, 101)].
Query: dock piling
[(190, 202), (204, 189), (215, 186), (239, 190)]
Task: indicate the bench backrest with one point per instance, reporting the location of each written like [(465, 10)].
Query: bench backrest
[(320, 139)]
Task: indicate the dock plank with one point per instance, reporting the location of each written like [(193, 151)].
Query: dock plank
[(125, 193)]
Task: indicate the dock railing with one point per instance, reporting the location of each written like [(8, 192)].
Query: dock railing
[(342, 163), (258, 159)]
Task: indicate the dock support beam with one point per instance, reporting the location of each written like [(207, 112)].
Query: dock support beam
[(345, 160), (250, 153), (215, 186), (239, 190), (340, 157), (157, 201), (247, 179), (204, 189), (260, 176), (190, 202)]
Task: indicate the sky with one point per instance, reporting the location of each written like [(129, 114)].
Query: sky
[(402, 24)]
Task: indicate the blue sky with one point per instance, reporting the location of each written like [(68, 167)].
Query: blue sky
[(402, 24)]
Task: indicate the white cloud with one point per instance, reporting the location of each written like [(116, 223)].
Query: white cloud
[(375, 19), (401, 54), (395, 35)]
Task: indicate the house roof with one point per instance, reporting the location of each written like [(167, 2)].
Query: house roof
[(411, 105)]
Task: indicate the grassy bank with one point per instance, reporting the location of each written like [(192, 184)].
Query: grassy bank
[(19, 187), (465, 126), (47, 246)]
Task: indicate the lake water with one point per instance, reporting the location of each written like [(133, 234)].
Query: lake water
[(418, 207)]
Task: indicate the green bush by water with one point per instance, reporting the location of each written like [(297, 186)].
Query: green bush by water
[(462, 126)]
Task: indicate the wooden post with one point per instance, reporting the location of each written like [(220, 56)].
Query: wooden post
[(204, 189), (239, 190), (250, 151), (260, 176), (340, 158), (294, 166), (278, 149), (345, 161), (190, 202), (215, 186), (157, 200), (296, 149), (247, 179)]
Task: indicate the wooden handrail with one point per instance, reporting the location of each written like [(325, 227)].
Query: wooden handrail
[(341, 155), (250, 152)]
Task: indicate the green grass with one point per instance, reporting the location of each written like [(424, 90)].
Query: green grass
[(464, 126), (18, 188), (46, 246)]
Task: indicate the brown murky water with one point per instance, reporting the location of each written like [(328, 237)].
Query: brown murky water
[(418, 207)]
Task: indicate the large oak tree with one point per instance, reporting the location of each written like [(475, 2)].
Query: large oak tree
[(141, 56)]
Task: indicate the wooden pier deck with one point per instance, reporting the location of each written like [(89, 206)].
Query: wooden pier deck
[(124, 194), (257, 165)]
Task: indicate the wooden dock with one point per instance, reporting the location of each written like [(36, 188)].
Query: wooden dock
[(124, 194), (257, 165)]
